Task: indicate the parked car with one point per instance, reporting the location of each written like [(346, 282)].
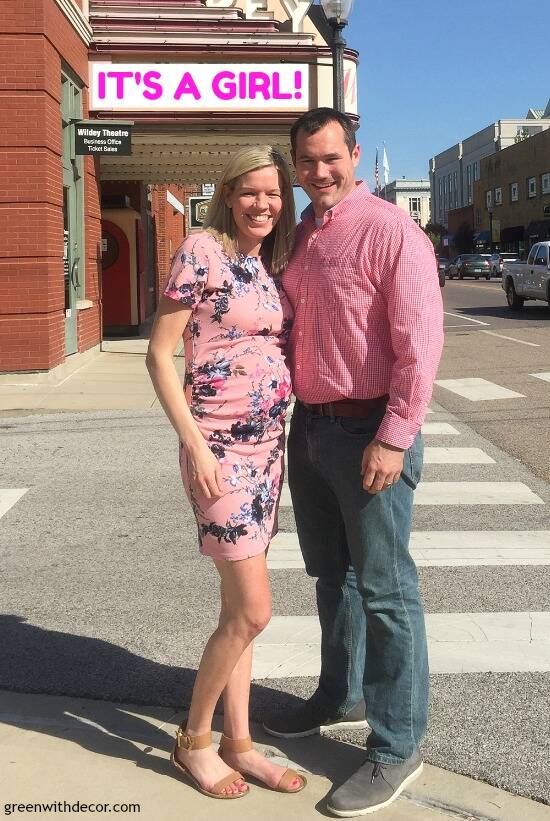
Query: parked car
[(498, 259), (452, 267), (528, 280), (471, 265), (442, 264)]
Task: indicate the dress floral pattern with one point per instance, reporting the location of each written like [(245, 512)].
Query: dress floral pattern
[(238, 389)]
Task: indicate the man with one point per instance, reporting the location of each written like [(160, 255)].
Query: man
[(364, 351)]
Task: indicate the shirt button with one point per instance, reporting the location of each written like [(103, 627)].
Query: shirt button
[(300, 333), (298, 367), (302, 301)]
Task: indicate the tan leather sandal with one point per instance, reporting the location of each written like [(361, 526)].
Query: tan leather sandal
[(200, 742), (243, 745)]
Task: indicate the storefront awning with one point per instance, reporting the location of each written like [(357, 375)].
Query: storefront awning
[(538, 230), (513, 234), (482, 236), (186, 157)]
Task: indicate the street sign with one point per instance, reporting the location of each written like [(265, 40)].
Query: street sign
[(207, 189), (96, 137), (198, 206)]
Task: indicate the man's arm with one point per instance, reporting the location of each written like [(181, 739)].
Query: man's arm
[(415, 311)]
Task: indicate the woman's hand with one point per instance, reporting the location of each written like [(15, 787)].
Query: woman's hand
[(204, 470)]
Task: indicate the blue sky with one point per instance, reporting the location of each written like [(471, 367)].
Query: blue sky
[(432, 73)]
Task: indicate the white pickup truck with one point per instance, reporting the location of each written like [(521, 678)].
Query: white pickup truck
[(528, 280)]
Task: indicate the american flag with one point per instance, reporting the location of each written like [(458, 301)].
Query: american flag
[(377, 174)]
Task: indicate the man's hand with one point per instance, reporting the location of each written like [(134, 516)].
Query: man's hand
[(381, 466)]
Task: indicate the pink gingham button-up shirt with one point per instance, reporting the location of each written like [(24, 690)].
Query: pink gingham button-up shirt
[(368, 313)]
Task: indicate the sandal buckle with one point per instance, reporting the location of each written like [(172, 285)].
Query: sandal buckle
[(184, 740)]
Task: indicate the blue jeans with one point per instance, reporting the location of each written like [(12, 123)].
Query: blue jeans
[(357, 546)]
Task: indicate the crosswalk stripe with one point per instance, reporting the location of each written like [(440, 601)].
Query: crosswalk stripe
[(466, 548), (477, 390), (456, 456), (439, 429), (458, 643), (544, 376), (475, 493), (461, 493), (9, 497), (444, 548)]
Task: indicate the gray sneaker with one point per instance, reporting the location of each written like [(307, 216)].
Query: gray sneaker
[(373, 787), (310, 718)]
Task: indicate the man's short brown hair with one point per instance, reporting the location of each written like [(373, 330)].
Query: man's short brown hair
[(316, 119)]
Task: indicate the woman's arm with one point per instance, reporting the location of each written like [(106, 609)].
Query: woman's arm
[(170, 322)]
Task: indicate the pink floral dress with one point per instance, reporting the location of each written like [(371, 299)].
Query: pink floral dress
[(238, 389)]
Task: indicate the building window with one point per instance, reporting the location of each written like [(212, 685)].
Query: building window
[(532, 187), (455, 186), (514, 192), (545, 184), (414, 205), (498, 196), (489, 199)]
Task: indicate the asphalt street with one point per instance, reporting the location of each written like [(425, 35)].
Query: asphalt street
[(519, 426), (107, 597)]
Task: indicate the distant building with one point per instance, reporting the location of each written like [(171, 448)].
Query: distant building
[(413, 196), (454, 171), (512, 197)]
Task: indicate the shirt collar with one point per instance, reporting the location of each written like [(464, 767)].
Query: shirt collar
[(349, 201)]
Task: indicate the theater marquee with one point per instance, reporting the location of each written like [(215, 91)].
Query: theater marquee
[(205, 87)]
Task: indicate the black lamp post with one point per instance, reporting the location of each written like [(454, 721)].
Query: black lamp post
[(337, 13), (491, 229)]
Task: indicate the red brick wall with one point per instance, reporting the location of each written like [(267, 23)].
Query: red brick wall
[(34, 37), (171, 226)]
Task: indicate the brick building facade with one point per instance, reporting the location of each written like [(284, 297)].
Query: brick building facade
[(514, 186), (68, 220), (39, 43)]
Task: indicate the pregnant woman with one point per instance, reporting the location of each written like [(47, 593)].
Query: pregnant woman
[(224, 296)]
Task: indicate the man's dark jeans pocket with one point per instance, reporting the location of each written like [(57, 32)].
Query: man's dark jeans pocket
[(360, 426)]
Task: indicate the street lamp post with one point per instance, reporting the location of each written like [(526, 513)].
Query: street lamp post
[(337, 13), (490, 230)]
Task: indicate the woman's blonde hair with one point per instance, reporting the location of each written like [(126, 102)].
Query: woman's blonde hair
[(277, 246)]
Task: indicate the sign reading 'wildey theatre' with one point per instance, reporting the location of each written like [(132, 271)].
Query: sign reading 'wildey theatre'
[(94, 137), (204, 87)]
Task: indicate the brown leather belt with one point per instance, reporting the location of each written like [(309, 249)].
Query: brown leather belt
[(348, 407)]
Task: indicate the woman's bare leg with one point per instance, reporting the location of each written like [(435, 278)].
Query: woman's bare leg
[(246, 609), (236, 718)]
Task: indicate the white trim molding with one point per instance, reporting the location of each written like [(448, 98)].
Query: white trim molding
[(77, 18), (175, 203)]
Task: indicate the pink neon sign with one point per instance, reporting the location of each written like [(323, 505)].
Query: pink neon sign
[(146, 87)]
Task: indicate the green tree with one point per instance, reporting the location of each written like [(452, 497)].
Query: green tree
[(435, 231)]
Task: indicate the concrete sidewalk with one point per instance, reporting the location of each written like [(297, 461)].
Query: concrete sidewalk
[(58, 749), (112, 379)]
